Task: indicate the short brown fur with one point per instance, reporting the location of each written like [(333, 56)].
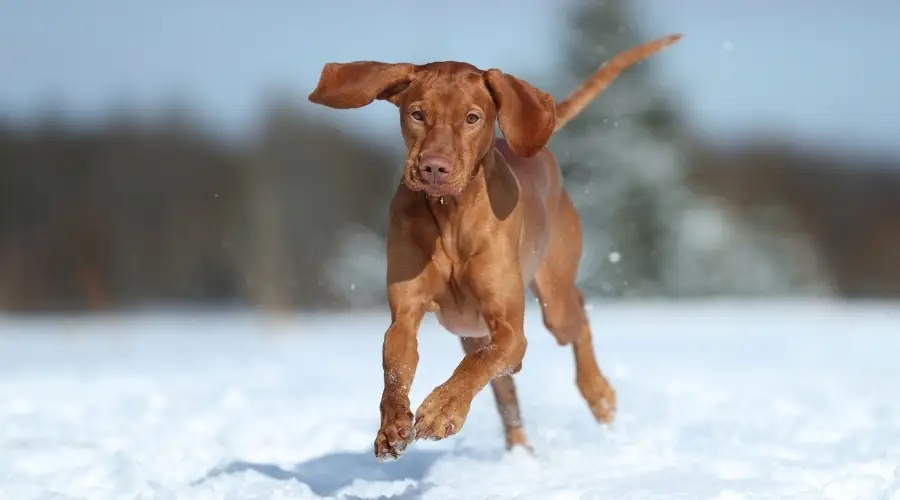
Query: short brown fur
[(475, 221)]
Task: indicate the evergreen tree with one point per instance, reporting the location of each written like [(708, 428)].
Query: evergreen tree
[(617, 156), (625, 161)]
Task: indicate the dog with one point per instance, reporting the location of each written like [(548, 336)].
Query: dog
[(475, 220)]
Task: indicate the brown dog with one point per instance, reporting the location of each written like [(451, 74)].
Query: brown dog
[(475, 221)]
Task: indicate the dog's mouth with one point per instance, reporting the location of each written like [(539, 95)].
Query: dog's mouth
[(449, 188), (441, 188)]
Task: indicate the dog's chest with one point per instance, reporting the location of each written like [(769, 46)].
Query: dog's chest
[(455, 306)]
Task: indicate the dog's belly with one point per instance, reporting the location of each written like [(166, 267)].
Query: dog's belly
[(462, 326)]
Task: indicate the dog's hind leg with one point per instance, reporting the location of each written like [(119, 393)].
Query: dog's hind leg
[(504, 389), (562, 307)]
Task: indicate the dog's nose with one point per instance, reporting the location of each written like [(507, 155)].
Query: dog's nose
[(434, 168)]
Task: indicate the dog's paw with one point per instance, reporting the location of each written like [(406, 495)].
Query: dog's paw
[(515, 439), (395, 434), (442, 414), (600, 397)]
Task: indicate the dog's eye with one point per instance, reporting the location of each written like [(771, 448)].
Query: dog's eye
[(417, 116), (472, 118)]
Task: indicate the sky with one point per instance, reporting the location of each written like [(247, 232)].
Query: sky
[(820, 72)]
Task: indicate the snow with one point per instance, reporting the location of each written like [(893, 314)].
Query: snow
[(717, 400)]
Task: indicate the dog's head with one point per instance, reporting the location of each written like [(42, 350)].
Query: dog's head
[(447, 114)]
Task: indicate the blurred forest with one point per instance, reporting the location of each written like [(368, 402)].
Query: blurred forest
[(133, 212)]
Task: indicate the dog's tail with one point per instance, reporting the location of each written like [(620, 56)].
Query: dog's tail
[(575, 102)]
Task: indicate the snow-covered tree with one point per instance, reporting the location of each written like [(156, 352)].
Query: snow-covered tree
[(625, 160), (616, 156)]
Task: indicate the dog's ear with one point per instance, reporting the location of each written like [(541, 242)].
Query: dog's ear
[(527, 115), (357, 84)]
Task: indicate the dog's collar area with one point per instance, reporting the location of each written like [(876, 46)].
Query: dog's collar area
[(440, 199)]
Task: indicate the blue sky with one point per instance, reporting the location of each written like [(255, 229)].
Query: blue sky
[(819, 72)]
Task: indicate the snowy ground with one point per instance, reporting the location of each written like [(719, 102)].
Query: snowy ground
[(717, 401)]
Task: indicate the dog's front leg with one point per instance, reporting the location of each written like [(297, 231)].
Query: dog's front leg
[(400, 357), (500, 292), (412, 280)]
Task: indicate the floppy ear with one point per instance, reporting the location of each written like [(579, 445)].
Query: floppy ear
[(526, 115), (357, 84)]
